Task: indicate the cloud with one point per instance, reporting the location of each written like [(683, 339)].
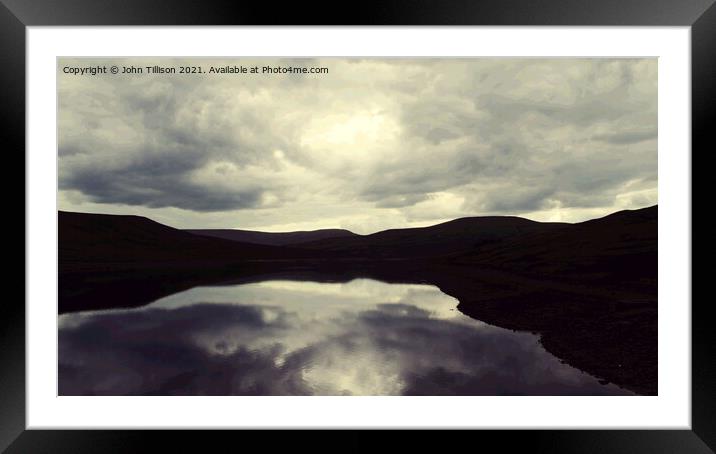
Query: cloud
[(627, 137), (372, 139)]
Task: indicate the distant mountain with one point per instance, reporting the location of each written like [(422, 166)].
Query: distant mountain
[(458, 235), (103, 238), (273, 238)]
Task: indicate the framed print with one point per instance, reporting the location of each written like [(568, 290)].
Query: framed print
[(420, 216)]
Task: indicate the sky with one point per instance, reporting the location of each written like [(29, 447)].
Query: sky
[(371, 144)]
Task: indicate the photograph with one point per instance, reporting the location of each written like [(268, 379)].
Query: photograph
[(428, 218), (357, 226)]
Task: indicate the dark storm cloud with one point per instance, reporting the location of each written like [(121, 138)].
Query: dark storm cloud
[(156, 178), (157, 191), (162, 142)]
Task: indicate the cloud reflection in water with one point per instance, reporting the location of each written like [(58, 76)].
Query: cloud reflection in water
[(286, 337)]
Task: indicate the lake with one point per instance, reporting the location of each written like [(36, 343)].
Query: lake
[(283, 337)]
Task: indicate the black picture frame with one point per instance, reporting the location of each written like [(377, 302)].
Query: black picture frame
[(700, 15)]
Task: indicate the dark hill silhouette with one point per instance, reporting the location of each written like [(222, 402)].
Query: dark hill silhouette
[(272, 238), (620, 247), (614, 243), (116, 239), (437, 240)]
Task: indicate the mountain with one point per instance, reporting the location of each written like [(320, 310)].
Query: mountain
[(116, 239), (623, 242), (437, 240), (621, 246), (273, 238)]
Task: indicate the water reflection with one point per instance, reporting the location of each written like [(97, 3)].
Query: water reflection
[(283, 338)]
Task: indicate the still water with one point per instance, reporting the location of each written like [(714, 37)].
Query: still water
[(292, 337)]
